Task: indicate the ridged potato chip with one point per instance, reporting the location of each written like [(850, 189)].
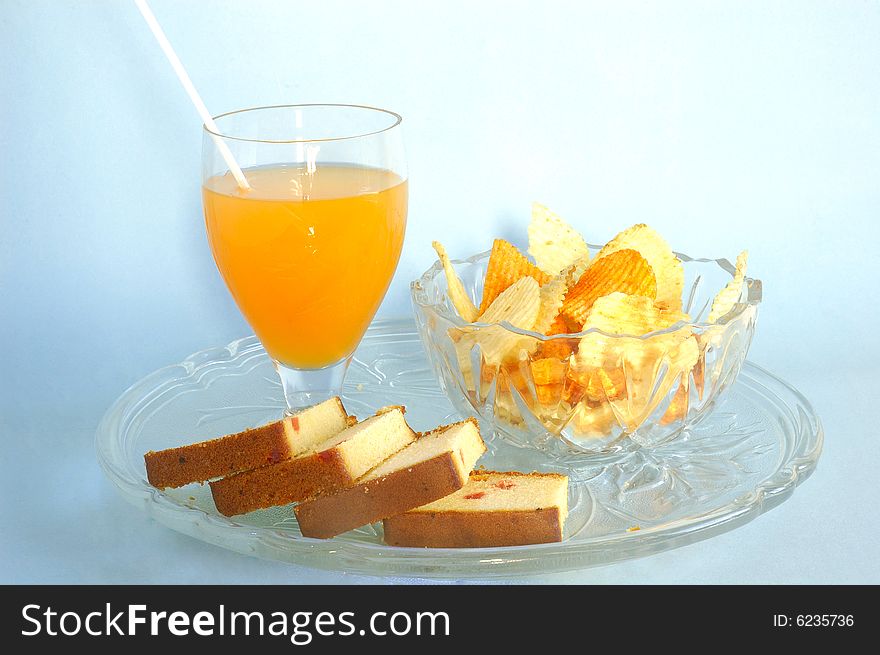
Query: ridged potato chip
[(592, 384), (553, 243), (548, 396), (678, 408), (552, 295), (631, 315), (625, 271), (518, 305), (579, 268), (637, 374), (506, 266), (593, 420), (668, 269), (597, 367), (556, 348), (712, 341), (496, 345), (664, 365), (505, 408), (633, 373), (559, 348), (729, 295), (454, 288), (559, 326), (698, 372), (548, 370), (626, 318)]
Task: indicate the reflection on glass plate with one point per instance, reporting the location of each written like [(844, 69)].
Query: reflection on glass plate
[(743, 459)]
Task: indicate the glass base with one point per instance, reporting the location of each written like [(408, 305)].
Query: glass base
[(304, 387)]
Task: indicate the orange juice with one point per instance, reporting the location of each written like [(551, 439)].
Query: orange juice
[(307, 254)]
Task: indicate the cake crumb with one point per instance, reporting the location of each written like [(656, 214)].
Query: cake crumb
[(634, 528)]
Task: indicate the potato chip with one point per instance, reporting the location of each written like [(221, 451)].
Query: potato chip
[(506, 410), (632, 315), (463, 343), (624, 314), (561, 348), (516, 387), (579, 268), (698, 372), (559, 326), (595, 383), (506, 266), (548, 370), (635, 373), (549, 395), (625, 271), (556, 348), (664, 365), (683, 357), (608, 378), (552, 295), (553, 243), (455, 289), (463, 358), (593, 420), (573, 392), (729, 295), (678, 407), (497, 344), (645, 374), (477, 374), (668, 269), (518, 305), (513, 395), (511, 377), (713, 341)]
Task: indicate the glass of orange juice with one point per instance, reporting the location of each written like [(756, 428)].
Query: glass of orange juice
[(309, 249)]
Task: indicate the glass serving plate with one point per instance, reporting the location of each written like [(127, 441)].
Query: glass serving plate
[(744, 458)]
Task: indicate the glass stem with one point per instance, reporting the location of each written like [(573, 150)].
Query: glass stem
[(306, 387)]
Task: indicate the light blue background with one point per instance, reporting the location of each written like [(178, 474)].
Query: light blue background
[(723, 125)]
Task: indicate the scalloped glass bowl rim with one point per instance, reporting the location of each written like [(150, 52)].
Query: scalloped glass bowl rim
[(419, 296)]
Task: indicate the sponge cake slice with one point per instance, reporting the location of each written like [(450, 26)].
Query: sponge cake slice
[(431, 467), (247, 450), (334, 463)]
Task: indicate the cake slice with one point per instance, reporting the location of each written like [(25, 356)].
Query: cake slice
[(492, 509), (249, 449), (336, 462), (433, 466)]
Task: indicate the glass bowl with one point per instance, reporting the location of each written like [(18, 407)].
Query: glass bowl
[(590, 393)]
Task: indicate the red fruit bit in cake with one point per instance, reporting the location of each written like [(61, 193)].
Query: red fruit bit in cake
[(294, 422), (475, 496), (275, 457), (504, 484), (325, 455)]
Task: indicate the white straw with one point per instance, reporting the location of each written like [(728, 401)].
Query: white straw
[(174, 60)]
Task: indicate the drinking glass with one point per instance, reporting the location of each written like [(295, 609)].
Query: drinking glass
[(308, 251)]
